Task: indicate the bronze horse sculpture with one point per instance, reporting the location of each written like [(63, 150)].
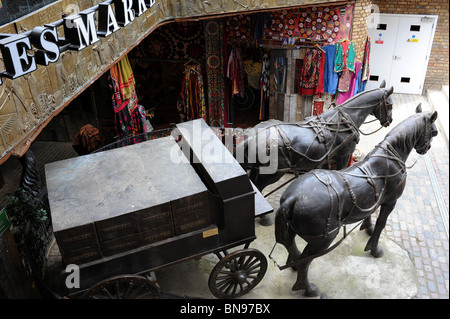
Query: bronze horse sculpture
[(319, 202), (317, 140)]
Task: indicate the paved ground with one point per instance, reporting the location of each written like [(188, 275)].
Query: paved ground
[(419, 223)]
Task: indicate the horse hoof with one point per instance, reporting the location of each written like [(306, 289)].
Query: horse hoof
[(266, 220), (369, 231), (377, 252), (312, 291)]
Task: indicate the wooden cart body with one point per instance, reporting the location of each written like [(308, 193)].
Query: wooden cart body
[(138, 208)]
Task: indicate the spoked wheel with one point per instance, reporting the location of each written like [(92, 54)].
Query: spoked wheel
[(237, 273), (124, 287)]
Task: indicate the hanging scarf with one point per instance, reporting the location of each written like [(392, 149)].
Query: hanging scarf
[(126, 78)]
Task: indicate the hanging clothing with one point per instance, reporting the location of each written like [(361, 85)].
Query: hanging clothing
[(365, 69), (279, 74), (126, 78), (358, 82), (318, 107), (344, 57), (191, 104), (330, 78), (344, 81), (127, 117), (311, 78), (235, 72), (344, 96), (264, 85)]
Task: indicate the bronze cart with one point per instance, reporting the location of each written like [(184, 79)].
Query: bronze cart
[(124, 213)]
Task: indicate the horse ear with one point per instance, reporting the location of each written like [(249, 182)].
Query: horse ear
[(419, 108), (433, 116), (383, 84), (391, 90)]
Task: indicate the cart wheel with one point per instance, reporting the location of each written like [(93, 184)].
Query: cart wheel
[(124, 287), (237, 273)]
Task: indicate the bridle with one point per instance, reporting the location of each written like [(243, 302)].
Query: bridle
[(381, 106)]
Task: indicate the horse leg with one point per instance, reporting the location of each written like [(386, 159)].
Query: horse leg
[(285, 235), (261, 181), (372, 244), (368, 226), (342, 161), (317, 247)]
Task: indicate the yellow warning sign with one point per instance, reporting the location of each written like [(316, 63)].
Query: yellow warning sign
[(413, 40)]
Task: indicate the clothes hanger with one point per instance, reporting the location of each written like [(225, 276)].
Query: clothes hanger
[(318, 46), (192, 60)]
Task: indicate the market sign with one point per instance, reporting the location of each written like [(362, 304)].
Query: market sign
[(79, 32), (4, 222)]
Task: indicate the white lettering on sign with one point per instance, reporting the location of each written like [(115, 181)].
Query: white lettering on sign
[(80, 32)]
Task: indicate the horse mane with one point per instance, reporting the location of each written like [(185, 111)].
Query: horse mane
[(354, 99)]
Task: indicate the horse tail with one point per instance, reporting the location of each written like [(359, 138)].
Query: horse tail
[(282, 217)]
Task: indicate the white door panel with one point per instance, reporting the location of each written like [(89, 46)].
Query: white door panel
[(400, 46)]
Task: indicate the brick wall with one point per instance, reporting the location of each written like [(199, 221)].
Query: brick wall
[(437, 72), (361, 11)]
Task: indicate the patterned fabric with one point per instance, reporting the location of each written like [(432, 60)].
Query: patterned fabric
[(87, 140), (345, 56), (320, 24), (126, 78), (174, 41), (191, 104), (127, 117), (235, 72), (215, 73), (318, 107), (265, 85), (311, 77), (344, 81)]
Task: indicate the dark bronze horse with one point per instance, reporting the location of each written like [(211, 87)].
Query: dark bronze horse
[(319, 202), (315, 141)]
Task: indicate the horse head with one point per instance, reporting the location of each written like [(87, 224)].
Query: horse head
[(383, 111), (429, 130)]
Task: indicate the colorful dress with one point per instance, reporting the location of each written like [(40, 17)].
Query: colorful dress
[(311, 77), (191, 104)]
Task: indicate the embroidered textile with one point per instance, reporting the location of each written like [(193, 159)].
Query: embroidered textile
[(320, 24), (311, 78), (345, 56), (344, 81), (174, 41), (127, 117), (215, 73)]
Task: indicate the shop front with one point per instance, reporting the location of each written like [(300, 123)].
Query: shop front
[(232, 66)]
